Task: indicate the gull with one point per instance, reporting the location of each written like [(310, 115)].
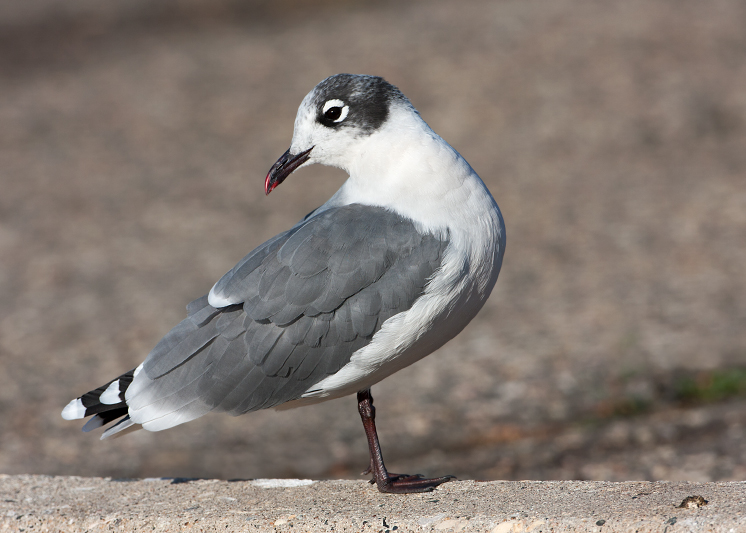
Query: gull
[(395, 264)]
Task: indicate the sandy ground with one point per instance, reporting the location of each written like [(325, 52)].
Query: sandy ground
[(134, 140)]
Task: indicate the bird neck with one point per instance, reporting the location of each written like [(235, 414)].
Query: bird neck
[(406, 167)]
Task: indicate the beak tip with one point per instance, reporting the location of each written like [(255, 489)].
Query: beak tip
[(283, 168)]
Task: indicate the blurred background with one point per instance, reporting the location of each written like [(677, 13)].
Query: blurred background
[(134, 141)]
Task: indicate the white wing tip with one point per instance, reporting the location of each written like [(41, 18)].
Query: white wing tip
[(218, 301), (111, 395), (75, 410)]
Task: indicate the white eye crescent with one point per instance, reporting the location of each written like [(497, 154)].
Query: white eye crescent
[(335, 110)]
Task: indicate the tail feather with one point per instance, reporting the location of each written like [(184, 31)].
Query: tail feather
[(106, 404)]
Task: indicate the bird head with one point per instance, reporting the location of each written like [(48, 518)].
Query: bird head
[(333, 119)]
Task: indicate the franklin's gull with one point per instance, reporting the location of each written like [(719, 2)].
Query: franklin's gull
[(392, 267)]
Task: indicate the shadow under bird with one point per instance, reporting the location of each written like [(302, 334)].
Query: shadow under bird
[(392, 267)]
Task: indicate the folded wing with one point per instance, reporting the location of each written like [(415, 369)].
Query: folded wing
[(297, 308)]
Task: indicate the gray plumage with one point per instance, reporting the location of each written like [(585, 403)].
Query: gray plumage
[(305, 301)]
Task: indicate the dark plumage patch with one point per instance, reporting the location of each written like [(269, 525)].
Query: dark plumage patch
[(91, 400), (368, 98)]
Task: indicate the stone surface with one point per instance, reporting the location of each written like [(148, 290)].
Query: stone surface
[(45, 503), (134, 141)]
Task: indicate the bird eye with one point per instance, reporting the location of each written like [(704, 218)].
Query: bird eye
[(333, 113), (335, 110)]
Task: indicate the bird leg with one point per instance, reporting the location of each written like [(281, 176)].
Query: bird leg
[(392, 483)]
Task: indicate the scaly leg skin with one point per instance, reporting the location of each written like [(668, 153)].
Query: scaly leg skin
[(391, 483)]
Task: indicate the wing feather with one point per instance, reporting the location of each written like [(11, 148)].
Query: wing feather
[(300, 305)]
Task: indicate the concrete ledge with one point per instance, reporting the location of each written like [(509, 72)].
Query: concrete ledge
[(45, 503)]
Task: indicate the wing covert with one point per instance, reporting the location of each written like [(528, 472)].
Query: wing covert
[(305, 301)]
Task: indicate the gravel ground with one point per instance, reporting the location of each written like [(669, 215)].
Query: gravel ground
[(134, 143)]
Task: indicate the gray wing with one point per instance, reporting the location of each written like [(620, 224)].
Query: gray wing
[(306, 301)]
